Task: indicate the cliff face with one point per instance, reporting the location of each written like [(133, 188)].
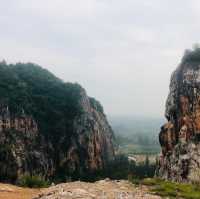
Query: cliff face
[(180, 136), (21, 150), (91, 145), (48, 127)]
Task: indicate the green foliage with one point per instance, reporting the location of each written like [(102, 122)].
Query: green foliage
[(134, 180), (137, 149), (172, 189), (122, 168), (96, 105), (33, 182), (137, 135), (137, 144), (192, 56), (53, 103), (8, 170)]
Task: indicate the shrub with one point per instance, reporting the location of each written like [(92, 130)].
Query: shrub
[(192, 55), (33, 182)]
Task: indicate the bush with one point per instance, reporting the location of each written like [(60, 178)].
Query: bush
[(192, 56), (122, 168), (33, 182)]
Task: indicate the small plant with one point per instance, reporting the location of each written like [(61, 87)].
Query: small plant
[(33, 181), (135, 181)]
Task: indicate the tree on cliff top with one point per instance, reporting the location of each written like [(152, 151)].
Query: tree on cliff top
[(192, 56)]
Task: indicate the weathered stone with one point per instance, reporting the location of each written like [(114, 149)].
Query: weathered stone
[(24, 150), (108, 189), (180, 136)]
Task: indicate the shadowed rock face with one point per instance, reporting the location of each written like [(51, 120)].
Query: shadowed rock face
[(49, 128), (180, 136), (21, 149)]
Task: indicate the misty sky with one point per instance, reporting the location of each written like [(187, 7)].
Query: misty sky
[(121, 51)]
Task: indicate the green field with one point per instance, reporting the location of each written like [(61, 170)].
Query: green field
[(137, 135), (132, 149)]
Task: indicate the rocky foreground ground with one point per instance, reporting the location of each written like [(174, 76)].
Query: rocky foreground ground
[(104, 189)]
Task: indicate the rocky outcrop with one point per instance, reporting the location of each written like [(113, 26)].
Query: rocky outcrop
[(111, 189), (21, 148), (49, 128), (92, 144), (180, 136)]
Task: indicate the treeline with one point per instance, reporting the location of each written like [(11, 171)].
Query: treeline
[(121, 168), (140, 139)]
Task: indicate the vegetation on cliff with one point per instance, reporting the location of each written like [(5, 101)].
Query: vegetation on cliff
[(49, 128), (40, 93), (192, 56)]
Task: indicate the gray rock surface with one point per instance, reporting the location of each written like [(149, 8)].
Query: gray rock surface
[(180, 136), (104, 189), (24, 150)]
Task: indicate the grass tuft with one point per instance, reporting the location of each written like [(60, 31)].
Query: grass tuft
[(33, 182), (171, 189)]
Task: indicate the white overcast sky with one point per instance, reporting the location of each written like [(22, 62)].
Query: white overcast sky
[(121, 51)]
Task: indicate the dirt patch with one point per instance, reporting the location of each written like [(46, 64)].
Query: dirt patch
[(8, 191)]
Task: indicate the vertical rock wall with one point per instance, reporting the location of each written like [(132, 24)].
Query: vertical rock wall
[(180, 136), (24, 150)]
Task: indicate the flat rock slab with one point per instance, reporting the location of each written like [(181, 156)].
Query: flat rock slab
[(104, 189)]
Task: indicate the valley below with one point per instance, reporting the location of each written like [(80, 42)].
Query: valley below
[(137, 137)]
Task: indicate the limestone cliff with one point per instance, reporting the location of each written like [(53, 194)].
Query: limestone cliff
[(180, 136), (48, 127)]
